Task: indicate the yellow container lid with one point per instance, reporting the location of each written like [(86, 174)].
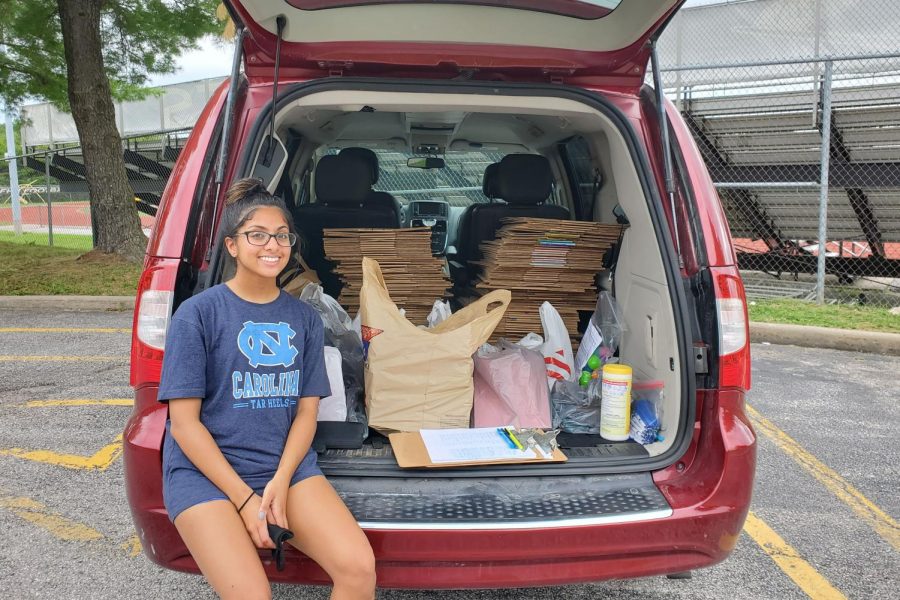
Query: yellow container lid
[(616, 369)]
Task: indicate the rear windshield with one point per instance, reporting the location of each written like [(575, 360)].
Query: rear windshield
[(582, 9), (458, 183)]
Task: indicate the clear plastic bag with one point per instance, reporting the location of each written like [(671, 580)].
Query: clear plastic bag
[(644, 422), (339, 333), (647, 411), (609, 321), (604, 332), (574, 409)]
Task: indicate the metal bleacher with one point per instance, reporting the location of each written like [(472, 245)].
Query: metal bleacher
[(153, 130), (763, 149), (149, 160)]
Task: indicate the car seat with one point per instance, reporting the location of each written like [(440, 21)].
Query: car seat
[(524, 182), (342, 188)]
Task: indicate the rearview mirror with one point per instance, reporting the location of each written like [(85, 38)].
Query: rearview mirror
[(425, 162)]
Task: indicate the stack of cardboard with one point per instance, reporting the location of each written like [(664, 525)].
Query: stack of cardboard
[(544, 260), (414, 278)]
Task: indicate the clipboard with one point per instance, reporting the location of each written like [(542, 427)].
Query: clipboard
[(411, 453)]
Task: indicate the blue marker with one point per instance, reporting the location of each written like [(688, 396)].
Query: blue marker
[(505, 435)]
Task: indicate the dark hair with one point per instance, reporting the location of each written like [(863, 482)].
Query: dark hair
[(241, 201)]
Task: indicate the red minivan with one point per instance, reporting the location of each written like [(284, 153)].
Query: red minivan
[(473, 82)]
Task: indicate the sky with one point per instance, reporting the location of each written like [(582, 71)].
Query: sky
[(212, 59)]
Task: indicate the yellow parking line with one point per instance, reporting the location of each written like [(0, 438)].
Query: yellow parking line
[(44, 358), (865, 509), (99, 460), (65, 330), (80, 402), (57, 525), (789, 560), (132, 546)]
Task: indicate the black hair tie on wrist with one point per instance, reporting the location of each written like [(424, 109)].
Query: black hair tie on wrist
[(246, 501)]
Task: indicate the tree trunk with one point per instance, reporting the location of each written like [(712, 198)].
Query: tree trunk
[(117, 228)]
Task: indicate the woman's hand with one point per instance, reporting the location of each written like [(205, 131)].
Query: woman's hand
[(274, 500), (257, 527)]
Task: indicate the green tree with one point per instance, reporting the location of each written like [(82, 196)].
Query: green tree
[(83, 54)]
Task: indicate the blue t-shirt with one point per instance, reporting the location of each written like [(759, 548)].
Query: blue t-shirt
[(250, 363)]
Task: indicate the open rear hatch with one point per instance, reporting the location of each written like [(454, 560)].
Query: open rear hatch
[(515, 39), (655, 345)]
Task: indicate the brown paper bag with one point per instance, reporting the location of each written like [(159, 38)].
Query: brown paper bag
[(298, 277), (420, 378)]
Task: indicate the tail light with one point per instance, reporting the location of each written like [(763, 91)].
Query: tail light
[(152, 311), (734, 334)]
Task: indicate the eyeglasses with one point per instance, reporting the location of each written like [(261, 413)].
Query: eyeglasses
[(261, 238)]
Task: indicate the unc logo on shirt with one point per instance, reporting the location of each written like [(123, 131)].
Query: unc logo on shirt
[(267, 344)]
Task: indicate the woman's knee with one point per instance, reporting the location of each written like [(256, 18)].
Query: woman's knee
[(356, 569)]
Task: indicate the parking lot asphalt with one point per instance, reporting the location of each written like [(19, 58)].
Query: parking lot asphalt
[(823, 521)]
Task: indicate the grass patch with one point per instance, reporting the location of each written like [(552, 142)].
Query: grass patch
[(842, 316), (41, 270), (30, 267), (60, 240)]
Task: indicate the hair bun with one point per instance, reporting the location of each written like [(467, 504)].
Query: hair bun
[(245, 188)]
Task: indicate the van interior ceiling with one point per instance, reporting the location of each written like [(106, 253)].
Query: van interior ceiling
[(448, 125)]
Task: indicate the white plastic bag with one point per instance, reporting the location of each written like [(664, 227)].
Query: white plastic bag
[(334, 407), (557, 347), (356, 325), (532, 341), (439, 312)]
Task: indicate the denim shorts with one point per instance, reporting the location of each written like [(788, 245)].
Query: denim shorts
[(187, 487)]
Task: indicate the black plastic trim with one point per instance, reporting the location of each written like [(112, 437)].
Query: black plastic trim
[(439, 502), (651, 194), (701, 285), (207, 169)]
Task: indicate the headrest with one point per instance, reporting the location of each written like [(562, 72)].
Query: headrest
[(524, 179), (489, 181), (342, 180), (367, 155)]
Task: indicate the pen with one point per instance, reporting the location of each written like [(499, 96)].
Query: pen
[(505, 435), (513, 438)]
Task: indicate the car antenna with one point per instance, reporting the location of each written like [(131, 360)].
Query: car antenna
[(280, 23)]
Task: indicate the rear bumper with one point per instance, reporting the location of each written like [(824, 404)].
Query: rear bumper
[(709, 495)]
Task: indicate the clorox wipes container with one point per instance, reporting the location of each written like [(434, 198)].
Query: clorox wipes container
[(615, 402)]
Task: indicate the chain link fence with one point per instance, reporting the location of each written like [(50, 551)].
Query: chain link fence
[(53, 205), (796, 109)]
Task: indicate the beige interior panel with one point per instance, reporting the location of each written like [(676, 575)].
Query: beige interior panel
[(462, 23), (640, 279)]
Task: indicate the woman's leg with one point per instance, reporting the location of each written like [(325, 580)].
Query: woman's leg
[(325, 531), (222, 548)]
